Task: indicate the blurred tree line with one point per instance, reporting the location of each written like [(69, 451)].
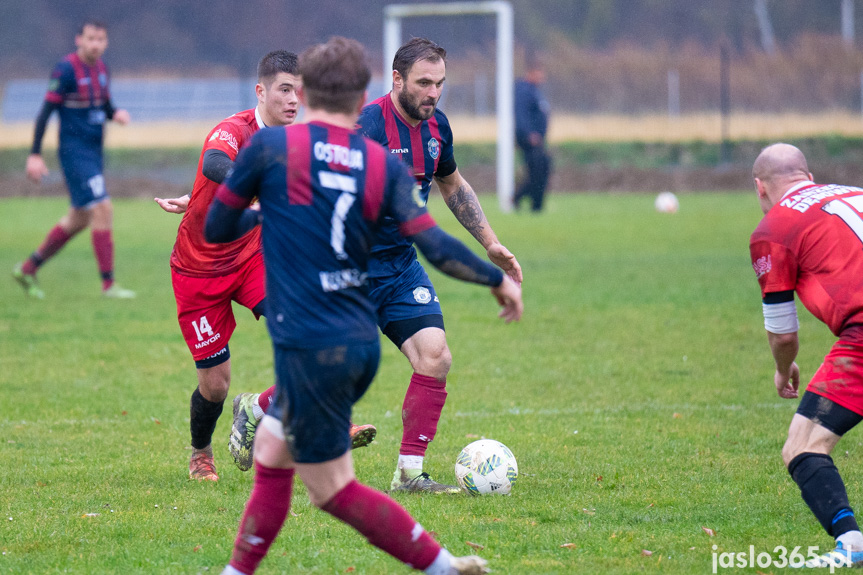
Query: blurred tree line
[(602, 55)]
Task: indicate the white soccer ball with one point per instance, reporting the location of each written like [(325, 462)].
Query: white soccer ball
[(666, 203), (486, 467)]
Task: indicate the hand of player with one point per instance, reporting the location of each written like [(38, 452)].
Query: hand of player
[(787, 384), (174, 205), (36, 168), (122, 117), (508, 295), (503, 258)]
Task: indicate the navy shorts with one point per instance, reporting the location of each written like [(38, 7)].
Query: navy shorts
[(315, 392), (406, 296), (85, 182)]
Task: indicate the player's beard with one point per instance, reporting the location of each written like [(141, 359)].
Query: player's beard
[(412, 108)]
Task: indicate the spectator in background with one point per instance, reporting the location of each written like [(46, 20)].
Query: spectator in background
[(531, 124), (79, 89)]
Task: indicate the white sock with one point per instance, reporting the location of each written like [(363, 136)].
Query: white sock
[(410, 462), (256, 408), (441, 564), (852, 540), (229, 570)]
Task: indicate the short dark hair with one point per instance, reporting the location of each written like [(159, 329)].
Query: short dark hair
[(335, 74), (416, 50), (276, 62), (94, 23)]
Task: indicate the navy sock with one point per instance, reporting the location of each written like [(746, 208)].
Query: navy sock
[(824, 492), (204, 415)]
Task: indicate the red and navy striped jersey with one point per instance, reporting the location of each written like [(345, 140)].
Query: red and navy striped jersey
[(81, 91), (324, 192), (426, 148)]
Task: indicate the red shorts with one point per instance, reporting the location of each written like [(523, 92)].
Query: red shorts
[(204, 305), (840, 377)]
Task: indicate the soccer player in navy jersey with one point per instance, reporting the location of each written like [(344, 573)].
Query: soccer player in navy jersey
[(324, 190), (79, 89), (409, 124)]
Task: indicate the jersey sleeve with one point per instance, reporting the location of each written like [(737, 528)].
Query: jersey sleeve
[(446, 164), (241, 184), (227, 138), (402, 199), (371, 124), (774, 265), (62, 82)]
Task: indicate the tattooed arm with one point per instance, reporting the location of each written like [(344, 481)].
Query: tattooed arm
[(464, 204)]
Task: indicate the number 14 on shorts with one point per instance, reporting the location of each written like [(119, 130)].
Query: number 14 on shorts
[(202, 327)]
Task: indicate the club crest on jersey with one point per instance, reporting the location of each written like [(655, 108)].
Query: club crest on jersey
[(434, 148), (762, 265), (422, 295)]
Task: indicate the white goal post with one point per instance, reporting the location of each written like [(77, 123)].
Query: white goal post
[(504, 88)]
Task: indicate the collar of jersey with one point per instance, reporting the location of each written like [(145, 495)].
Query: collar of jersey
[(259, 120), (796, 188), (402, 119)]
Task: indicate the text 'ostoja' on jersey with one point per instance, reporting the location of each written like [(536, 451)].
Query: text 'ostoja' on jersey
[(324, 191)]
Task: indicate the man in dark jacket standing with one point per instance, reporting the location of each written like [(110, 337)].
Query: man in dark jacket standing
[(531, 124)]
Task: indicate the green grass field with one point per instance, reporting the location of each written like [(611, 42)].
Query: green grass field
[(636, 394)]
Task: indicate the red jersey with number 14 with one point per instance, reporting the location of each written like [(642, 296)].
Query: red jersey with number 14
[(811, 241), (192, 255)]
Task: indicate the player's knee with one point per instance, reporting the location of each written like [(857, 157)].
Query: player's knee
[(102, 215), (75, 221), (214, 375), (789, 451), (434, 361)]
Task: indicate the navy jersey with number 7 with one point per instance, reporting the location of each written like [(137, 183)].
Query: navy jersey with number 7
[(324, 190)]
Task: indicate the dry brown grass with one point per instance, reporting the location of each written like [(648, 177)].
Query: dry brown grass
[(588, 128)]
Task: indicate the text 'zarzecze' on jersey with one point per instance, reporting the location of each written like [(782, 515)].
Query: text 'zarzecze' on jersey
[(803, 200)]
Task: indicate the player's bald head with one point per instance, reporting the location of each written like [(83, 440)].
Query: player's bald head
[(780, 162)]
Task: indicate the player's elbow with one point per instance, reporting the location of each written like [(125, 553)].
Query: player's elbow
[(783, 339)]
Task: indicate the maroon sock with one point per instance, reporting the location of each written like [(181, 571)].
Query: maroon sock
[(266, 397), (421, 411), (103, 247), (55, 240), (384, 523), (265, 513)]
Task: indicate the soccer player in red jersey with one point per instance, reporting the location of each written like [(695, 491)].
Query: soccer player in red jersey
[(324, 189), (80, 91), (810, 241), (208, 277)]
